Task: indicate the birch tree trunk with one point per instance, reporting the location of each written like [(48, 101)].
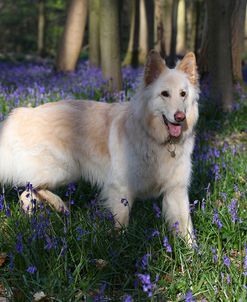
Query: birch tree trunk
[(72, 38), (143, 34), (109, 43), (181, 41)]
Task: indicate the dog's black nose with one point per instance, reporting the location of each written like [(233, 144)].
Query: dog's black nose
[(179, 116)]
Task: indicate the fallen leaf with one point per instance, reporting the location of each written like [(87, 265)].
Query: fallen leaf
[(3, 257), (100, 263)]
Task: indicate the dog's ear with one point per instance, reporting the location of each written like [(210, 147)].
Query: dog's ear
[(188, 65), (154, 67)]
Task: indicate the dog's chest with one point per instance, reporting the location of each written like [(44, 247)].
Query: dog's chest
[(152, 170)]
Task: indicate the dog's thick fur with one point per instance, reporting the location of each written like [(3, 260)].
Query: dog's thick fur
[(125, 148)]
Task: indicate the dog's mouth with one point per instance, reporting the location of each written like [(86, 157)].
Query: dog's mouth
[(174, 129)]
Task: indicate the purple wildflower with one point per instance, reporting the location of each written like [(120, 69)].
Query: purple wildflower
[(11, 261), (225, 147), (19, 244), (215, 257), (1, 202), (216, 219), (155, 233), (70, 190), (245, 261), (157, 210), (100, 296), (80, 233), (127, 298), (167, 245), (216, 152), (233, 209), (147, 285), (235, 187), (175, 227), (226, 261), (228, 279), (32, 269), (188, 297), (216, 172), (193, 206), (223, 195), (144, 261)]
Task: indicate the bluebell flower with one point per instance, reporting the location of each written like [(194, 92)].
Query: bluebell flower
[(144, 260), (157, 210), (147, 285), (233, 210), (223, 195), (215, 257), (188, 297), (70, 189), (127, 298), (167, 245), (216, 219), (32, 269), (19, 244), (155, 233), (1, 202), (226, 261)]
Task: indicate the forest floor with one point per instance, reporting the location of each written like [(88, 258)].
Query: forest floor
[(78, 257)]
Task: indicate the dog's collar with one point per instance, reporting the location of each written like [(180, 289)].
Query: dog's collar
[(171, 148)]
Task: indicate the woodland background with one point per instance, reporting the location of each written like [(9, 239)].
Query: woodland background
[(113, 33)]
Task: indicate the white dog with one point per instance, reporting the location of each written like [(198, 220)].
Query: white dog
[(139, 148)]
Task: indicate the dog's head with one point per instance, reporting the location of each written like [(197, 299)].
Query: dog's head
[(170, 108)]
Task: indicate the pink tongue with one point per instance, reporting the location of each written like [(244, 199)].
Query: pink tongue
[(174, 130)]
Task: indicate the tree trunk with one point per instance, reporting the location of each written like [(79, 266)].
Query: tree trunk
[(41, 28), (181, 43), (94, 45), (220, 62), (245, 32), (190, 24), (72, 39), (109, 43), (173, 44), (132, 50), (149, 7), (200, 12), (167, 25), (237, 25), (143, 34), (203, 51), (159, 43)]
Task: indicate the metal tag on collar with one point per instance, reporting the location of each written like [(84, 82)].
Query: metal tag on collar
[(171, 148)]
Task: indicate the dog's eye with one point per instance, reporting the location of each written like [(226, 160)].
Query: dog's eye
[(182, 93), (165, 93)]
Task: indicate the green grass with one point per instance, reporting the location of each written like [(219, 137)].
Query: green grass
[(78, 269)]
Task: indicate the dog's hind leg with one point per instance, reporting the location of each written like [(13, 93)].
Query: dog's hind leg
[(31, 199), (54, 200)]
